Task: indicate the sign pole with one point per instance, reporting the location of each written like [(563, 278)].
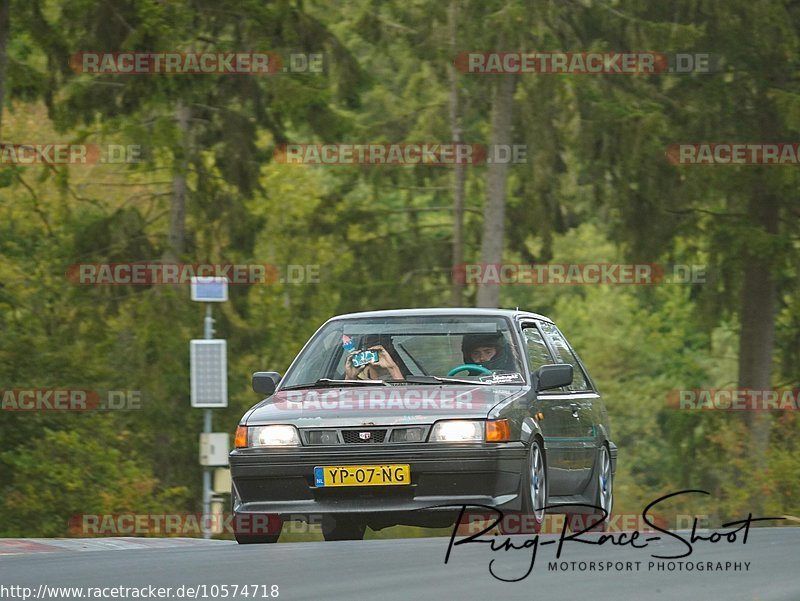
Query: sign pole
[(207, 423), (209, 387)]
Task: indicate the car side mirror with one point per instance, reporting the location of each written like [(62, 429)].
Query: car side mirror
[(264, 382), (548, 377)]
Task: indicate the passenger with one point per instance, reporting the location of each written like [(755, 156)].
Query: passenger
[(385, 369)]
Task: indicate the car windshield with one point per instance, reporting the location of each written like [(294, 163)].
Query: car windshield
[(412, 349)]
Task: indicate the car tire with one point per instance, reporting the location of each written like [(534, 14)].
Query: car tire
[(533, 495), (257, 539), (342, 527), (241, 521), (604, 497)]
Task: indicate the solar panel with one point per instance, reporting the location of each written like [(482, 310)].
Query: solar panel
[(210, 289), (209, 373)]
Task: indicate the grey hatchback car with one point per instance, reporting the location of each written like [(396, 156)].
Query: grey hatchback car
[(418, 416)]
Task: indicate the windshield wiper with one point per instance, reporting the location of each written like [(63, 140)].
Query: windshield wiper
[(439, 380), (329, 383)]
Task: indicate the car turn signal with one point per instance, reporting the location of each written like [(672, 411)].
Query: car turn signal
[(240, 440), (498, 430)]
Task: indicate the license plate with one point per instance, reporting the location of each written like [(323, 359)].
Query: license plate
[(362, 475)]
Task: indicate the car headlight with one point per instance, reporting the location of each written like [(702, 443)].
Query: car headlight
[(269, 436), (457, 431)]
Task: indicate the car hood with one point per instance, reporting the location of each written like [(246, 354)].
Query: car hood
[(379, 405)]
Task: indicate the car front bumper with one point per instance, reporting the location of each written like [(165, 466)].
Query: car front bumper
[(281, 481)]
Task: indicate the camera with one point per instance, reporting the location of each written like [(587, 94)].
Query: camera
[(364, 357)]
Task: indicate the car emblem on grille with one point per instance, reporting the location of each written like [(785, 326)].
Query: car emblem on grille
[(365, 435)]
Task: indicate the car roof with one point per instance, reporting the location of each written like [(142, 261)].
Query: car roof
[(445, 312)]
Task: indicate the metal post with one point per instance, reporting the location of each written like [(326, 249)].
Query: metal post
[(208, 334)]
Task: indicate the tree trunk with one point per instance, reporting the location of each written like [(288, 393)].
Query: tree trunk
[(177, 213), (757, 338), (495, 209), (459, 173), (5, 27)]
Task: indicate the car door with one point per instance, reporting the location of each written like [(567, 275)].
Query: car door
[(559, 422), (580, 397)]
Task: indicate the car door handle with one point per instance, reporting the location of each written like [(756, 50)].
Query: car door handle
[(574, 408)]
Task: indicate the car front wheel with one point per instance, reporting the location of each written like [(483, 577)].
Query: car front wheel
[(533, 494), (255, 529)]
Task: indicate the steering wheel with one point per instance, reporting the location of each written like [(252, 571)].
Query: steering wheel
[(479, 370)]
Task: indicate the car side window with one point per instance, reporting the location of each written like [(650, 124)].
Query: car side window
[(535, 348), (566, 355)]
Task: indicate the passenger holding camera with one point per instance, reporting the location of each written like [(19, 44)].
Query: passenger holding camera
[(384, 369)]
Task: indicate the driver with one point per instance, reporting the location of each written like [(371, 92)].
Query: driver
[(488, 350)]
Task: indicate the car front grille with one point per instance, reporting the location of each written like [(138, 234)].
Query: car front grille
[(363, 436)]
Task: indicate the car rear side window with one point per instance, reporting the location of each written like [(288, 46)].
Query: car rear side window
[(564, 354), (536, 349)]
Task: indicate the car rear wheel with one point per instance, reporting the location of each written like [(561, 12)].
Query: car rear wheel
[(342, 527), (604, 498), (533, 492)]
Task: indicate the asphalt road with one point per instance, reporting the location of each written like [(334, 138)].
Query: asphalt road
[(410, 569)]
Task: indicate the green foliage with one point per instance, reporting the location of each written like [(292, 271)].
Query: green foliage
[(61, 475)]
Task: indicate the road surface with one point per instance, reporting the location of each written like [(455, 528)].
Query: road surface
[(405, 569)]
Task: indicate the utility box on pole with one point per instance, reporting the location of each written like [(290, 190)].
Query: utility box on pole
[(214, 449), (222, 480)]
